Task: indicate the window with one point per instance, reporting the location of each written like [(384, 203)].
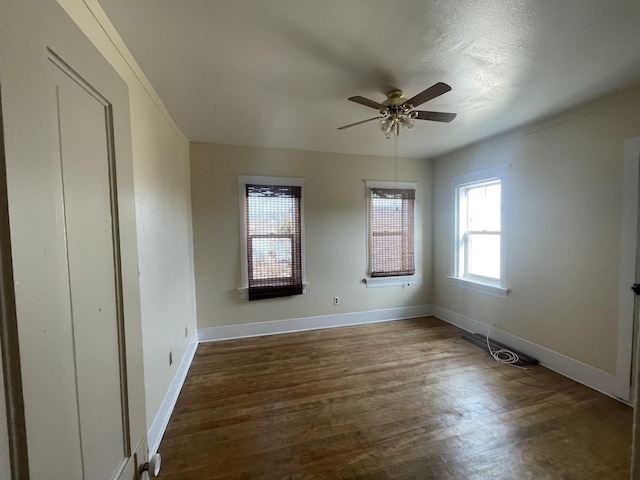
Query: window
[(391, 233), (271, 233), (480, 223)]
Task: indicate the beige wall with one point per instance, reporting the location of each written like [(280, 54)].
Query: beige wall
[(335, 211), (564, 229), (163, 210)]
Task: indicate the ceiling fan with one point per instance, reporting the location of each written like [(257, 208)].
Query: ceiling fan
[(397, 110)]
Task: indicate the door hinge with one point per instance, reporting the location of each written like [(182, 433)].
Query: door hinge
[(636, 288)]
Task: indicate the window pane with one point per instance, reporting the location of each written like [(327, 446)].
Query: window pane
[(271, 215), (274, 247), (483, 203), (484, 255), (391, 245), (389, 215), (391, 262), (271, 257)]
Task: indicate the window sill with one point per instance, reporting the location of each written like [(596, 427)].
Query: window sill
[(406, 280), (244, 291), (495, 290)]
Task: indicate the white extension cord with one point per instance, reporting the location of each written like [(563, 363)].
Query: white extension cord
[(504, 355)]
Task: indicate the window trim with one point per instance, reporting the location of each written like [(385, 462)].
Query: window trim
[(397, 280), (243, 180), (475, 282), (404, 280)]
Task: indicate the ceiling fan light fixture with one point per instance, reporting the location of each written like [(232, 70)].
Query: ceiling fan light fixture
[(407, 123), (391, 133), (386, 124)]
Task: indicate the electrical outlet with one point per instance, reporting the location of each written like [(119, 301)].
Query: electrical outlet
[(170, 358), (186, 332), (336, 300)]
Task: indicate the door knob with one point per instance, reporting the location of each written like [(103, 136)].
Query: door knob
[(152, 466)]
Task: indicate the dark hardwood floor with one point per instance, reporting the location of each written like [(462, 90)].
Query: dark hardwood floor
[(406, 399)]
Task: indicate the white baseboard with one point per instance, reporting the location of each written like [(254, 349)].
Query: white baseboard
[(228, 332), (161, 420), (599, 380)]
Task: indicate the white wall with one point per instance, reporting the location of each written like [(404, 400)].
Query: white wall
[(564, 229), (335, 227), (163, 211)]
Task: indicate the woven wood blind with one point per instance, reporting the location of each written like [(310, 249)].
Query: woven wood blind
[(273, 241), (391, 247)]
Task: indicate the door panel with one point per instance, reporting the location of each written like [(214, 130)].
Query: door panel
[(629, 268), (67, 147), (84, 130), (630, 274)]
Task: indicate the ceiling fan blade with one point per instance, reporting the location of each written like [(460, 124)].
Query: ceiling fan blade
[(367, 103), (358, 123), (432, 92), (435, 116)]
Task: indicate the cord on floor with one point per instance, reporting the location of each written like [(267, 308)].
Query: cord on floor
[(504, 355)]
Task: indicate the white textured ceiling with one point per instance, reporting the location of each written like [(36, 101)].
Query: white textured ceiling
[(277, 73)]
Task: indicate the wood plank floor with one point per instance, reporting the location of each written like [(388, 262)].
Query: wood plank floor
[(406, 399)]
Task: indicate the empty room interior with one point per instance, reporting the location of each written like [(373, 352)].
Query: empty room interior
[(295, 239)]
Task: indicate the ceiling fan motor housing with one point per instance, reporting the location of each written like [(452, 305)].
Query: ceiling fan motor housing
[(394, 97)]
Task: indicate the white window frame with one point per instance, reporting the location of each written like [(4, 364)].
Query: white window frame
[(478, 283), (402, 280), (243, 181)]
